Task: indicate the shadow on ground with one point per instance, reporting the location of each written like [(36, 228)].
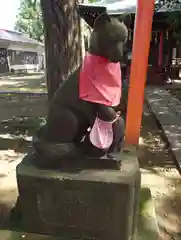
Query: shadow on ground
[(153, 151), (22, 105), (23, 82), (170, 220), (176, 93), (160, 174), (16, 133), (20, 116)]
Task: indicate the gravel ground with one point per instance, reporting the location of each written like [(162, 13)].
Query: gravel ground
[(15, 140), (176, 93), (23, 82), (161, 176)]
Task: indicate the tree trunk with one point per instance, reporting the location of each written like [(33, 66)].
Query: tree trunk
[(62, 41)]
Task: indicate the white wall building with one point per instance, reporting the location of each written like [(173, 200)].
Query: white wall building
[(20, 53)]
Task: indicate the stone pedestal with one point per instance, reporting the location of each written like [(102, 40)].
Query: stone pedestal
[(99, 204)]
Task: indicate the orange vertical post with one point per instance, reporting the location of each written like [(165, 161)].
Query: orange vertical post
[(139, 65)]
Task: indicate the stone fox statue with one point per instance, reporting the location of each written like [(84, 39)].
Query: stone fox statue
[(81, 118)]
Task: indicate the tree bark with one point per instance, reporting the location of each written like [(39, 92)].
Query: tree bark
[(62, 41)]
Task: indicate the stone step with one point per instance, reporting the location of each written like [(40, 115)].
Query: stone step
[(160, 103), (167, 111), (173, 135)]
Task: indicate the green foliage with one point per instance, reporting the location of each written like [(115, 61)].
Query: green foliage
[(170, 4), (29, 19)]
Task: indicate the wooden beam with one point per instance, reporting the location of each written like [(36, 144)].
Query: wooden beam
[(139, 65)]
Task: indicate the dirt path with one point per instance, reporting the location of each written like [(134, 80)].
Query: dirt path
[(15, 141), (23, 83), (161, 176)]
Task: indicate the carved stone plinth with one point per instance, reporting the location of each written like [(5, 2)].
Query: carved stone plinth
[(80, 203)]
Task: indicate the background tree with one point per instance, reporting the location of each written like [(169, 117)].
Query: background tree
[(168, 3), (29, 19)]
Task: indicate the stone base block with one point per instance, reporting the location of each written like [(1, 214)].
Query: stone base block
[(99, 204)]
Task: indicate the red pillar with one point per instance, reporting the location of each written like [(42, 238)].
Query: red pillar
[(139, 65), (160, 54)]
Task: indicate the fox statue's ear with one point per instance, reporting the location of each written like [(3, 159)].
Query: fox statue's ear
[(101, 20)]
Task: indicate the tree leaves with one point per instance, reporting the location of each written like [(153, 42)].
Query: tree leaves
[(29, 19), (168, 3)]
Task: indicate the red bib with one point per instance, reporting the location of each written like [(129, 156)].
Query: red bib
[(100, 81)]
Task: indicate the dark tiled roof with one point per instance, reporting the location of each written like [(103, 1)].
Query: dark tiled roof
[(129, 6), (13, 36), (115, 6)]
